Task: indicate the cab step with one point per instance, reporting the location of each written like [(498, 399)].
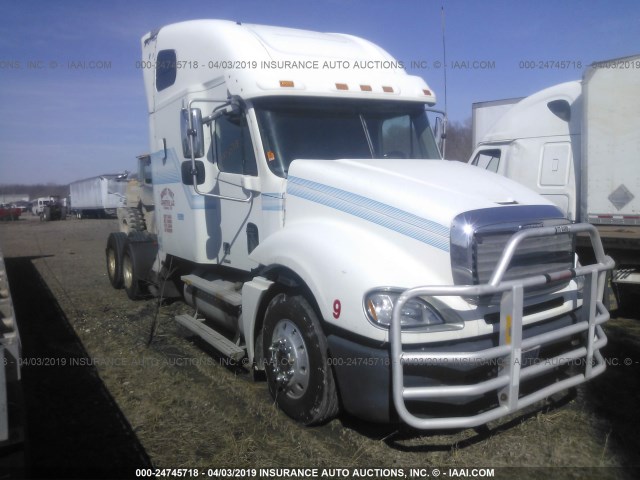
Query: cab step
[(221, 289), (212, 337)]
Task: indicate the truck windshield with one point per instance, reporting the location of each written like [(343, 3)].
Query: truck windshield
[(329, 130)]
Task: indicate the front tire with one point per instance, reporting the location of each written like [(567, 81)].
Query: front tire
[(299, 376)]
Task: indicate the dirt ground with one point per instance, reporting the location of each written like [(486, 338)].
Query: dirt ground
[(106, 403)]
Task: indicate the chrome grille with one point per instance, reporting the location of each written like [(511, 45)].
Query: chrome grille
[(534, 256), (478, 239)]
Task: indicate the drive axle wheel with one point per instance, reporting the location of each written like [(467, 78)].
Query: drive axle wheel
[(114, 253), (299, 377), (130, 275)]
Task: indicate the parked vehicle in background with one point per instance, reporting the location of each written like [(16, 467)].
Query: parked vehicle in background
[(302, 208), (578, 145), (98, 197), (38, 205), (10, 212), (54, 210)]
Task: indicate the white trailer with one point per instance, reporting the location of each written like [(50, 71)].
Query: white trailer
[(299, 195), (578, 144), (98, 196)]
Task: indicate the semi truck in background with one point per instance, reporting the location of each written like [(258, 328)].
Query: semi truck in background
[(578, 145), (485, 114), (37, 207), (296, 198), (50, 208), (98, 197)]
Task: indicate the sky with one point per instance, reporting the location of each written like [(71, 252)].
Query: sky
[(61, 122)]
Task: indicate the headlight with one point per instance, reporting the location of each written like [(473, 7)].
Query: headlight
[(416, 313)]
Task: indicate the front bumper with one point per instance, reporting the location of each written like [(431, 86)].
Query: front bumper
[(364, 372), (510, 385)]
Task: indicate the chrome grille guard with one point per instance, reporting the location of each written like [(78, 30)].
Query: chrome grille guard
[(511, 372)]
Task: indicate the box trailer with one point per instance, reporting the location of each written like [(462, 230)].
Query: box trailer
[(99, 196), (578, 145), (299, 203)]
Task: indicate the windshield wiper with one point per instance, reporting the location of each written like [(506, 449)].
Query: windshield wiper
[(366, 134)]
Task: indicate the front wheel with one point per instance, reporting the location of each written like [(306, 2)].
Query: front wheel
[(299, 376)]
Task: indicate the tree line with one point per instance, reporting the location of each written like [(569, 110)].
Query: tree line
[(35, 191)]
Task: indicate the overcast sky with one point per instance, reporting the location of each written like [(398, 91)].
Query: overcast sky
[(59, 124)]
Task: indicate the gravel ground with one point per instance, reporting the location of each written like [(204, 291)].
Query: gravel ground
[(119, 404)]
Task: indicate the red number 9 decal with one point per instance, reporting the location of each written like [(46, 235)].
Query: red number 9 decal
[(337, 308)]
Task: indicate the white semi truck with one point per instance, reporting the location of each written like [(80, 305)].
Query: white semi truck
[(99, 196), (296, 195), (578, 145)]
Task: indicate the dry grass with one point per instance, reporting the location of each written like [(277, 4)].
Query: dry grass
[(201, 413)]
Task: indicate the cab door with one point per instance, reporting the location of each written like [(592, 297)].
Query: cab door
[(555, 180), (240, 204)]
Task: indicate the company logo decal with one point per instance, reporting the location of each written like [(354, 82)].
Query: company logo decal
[(166, 199)]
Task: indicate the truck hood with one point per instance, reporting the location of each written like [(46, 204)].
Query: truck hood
[(426, 193)]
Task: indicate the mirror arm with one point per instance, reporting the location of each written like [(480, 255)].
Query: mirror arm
[(213, 116)]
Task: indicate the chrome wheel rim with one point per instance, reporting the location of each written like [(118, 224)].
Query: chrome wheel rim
[(111, 263), (289, 359), (127, 272)]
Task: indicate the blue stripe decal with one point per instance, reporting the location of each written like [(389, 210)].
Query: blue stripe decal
[(272, 202), (400, 221), (165, 172)]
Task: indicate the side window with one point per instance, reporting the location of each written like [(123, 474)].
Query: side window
[(234, 151), (165, 69), (399, 138), (488, 159), (144, 170)]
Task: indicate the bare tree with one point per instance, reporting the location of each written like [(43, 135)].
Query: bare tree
[(459, 145)]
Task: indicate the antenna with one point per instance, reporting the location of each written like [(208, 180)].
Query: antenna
[(444, 61)]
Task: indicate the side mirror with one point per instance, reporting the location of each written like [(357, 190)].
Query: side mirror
[(196, 133), (187, 173)]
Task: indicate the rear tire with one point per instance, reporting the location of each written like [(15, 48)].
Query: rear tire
[(130, 278), (299, 376), (114, 253)]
